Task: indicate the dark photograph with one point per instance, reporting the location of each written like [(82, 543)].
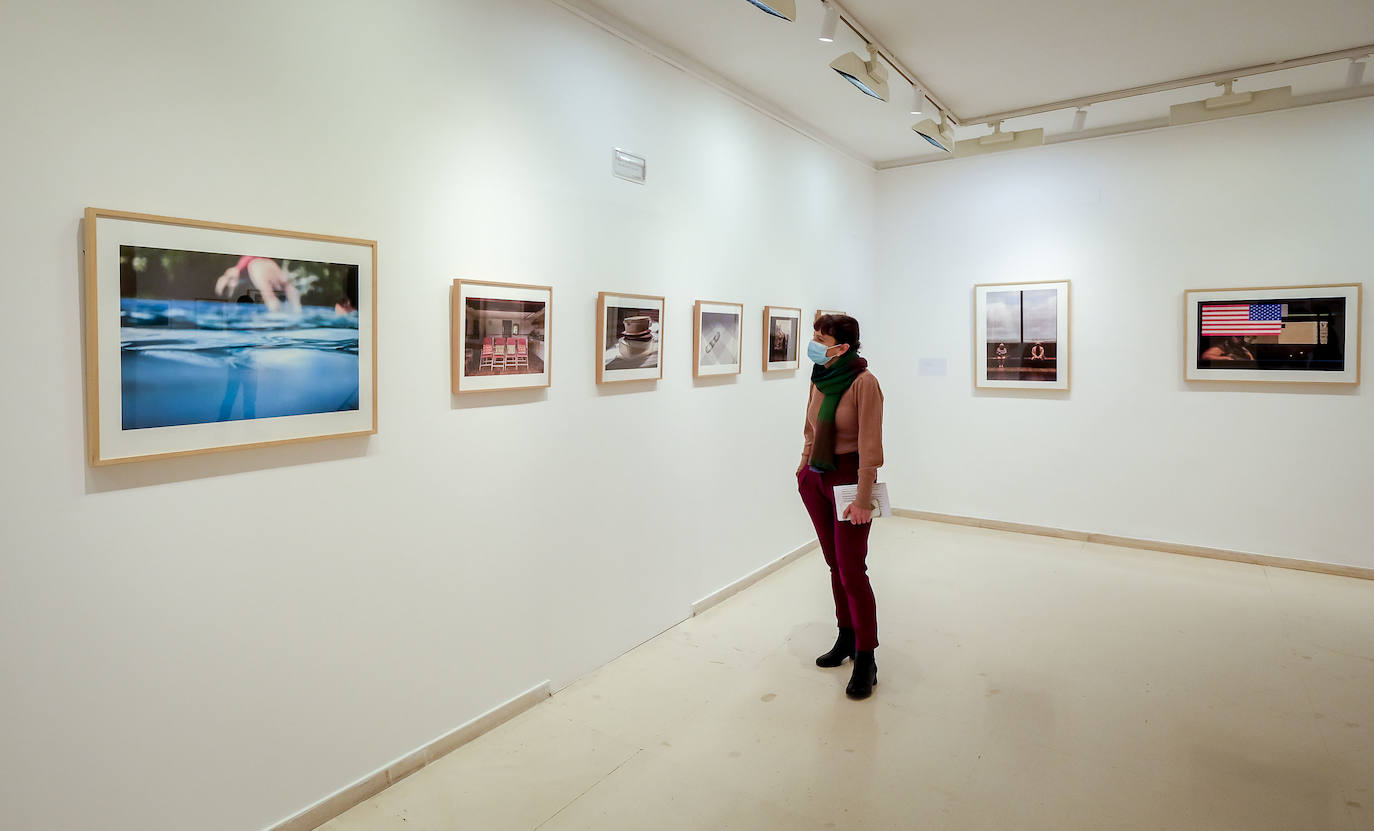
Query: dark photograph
[(782, 339), (1304, 335)]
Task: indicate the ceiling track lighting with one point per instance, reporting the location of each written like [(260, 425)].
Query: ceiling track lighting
[(997, 141), (786, 9), (1354, 74), (869, 76), (1231, 103), (940, 136), (830, 23), (1080, 119)]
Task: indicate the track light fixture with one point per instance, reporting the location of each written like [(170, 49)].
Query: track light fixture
[(918, 101), (940, 136), (831, 22), (870, 76), (1231, 103), (786, 9), (998, 141), (1354, 74), (1080, 119)]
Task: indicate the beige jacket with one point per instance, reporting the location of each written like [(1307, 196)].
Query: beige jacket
[(858, 426)]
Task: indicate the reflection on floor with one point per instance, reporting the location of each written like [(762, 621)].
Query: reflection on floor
[(1024, 683)]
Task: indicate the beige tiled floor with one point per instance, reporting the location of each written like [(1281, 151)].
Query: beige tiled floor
[(1024, 683)]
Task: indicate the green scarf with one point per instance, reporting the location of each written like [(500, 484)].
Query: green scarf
[(833, 381)]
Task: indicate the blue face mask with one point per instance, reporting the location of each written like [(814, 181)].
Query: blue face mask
[(815, 350)]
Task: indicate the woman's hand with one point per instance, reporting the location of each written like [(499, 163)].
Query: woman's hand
[(858, 515)]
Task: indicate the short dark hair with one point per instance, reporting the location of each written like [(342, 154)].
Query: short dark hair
[(843, 328)]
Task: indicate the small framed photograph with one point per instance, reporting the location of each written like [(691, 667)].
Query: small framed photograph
[(629, 338), (717, 338), (202, 336), (501, 335), (781, 338), (1297, 334), (1021, 335), (823, 312)]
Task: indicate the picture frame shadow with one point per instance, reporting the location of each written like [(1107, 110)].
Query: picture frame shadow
[(616, 388), (227, 462), (498, 398)]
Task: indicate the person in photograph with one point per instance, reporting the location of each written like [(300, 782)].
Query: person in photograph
[(1002, 356), (1234, 348), (843, 445), (267, 277)]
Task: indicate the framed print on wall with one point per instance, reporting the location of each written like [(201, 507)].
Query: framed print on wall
[(202, 336), (500, 336), (1290, 334), (629, 338), (717, 338), (822, 312), (1021, 335), (781, 337)]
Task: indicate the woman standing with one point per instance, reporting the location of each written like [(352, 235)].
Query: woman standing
[(844, 446)]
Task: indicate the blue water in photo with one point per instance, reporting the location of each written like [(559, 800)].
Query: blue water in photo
[(201, 361)]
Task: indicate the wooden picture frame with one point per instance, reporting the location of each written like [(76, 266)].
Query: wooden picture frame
[(633, 349), (1022, 335), (1275, 334), (500, 336), (715, 336), (785, 356), (204, 337), (820, 312)]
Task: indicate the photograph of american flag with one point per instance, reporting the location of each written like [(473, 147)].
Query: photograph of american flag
[(1219, 319)]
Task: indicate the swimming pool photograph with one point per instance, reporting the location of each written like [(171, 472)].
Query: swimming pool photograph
[(205, 336), (208, 337)]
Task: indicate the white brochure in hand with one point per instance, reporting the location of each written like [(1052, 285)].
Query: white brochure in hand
[(844, 494)]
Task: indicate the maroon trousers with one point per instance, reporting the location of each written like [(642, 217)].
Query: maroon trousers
[(845, 546)]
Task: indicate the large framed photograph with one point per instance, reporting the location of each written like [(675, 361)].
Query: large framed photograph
[(629, 338), (717, 338), (781, 337), (202, 336), (501, 336), (1021, 335), (1297, 334)]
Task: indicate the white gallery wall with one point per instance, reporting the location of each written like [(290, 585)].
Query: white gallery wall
[(1134, 221), (219, 641)]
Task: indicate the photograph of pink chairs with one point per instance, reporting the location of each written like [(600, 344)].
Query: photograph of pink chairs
[(500, 337), (500, 354)]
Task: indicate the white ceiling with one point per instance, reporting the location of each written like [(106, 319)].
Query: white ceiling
[(986, 56)]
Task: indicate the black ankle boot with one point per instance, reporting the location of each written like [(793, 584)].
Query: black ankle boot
[(864, 677), (843, 648)]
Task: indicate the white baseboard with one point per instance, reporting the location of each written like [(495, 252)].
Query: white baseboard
[(751, 578), (389, 774), (1317, 566)]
